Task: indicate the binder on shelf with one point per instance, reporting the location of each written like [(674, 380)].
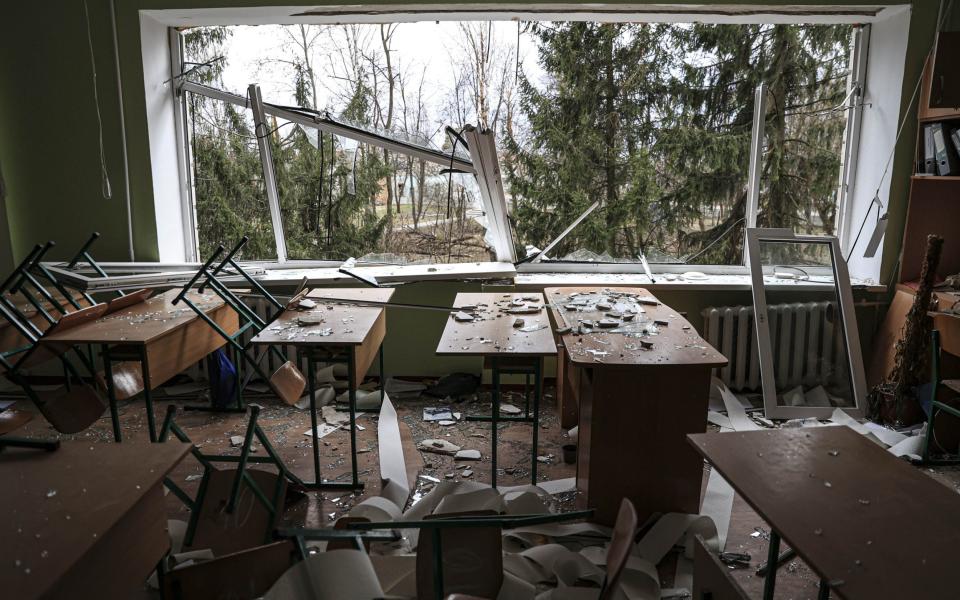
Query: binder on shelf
[(929, 153), (947, 163), (955, 138)]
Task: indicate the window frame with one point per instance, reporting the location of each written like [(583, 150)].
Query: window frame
[(504, 244)]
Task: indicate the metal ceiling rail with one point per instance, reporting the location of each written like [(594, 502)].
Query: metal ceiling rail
[(329, 125)]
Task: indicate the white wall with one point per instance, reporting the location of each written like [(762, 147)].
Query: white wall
[(168, 204), (884, 85)]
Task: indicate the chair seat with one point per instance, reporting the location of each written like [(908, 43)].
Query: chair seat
[(73, 410)]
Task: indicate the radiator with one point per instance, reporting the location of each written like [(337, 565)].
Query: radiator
[(806, 340)]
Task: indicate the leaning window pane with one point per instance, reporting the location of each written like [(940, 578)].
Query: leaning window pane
[(811, 366)]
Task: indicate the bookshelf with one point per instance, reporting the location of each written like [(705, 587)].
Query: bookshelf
[(934, 205)]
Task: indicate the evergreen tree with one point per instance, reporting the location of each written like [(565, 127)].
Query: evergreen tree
[(671, 161)]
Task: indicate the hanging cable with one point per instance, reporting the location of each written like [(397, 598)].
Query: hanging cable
[(906, 115), (104, 176)]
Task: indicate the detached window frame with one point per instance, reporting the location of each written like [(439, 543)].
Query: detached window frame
[(495, 205), (848, 321)]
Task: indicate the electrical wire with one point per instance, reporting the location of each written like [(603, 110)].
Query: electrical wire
[(104, 175), (687, 260), (906, 115)]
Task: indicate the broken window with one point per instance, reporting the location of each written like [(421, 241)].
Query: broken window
[(653, 120), (807, 333)]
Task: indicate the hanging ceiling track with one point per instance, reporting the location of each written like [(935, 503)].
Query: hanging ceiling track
[(325, 123)]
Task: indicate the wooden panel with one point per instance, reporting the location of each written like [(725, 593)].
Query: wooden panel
[(933, 209), (345, 294), (136, 542), (884, 343), (568, 383), (633, 423), (141, 323), (66, 504), (850, 509), (349, 324), (677, 342), (924, 112), (242, 575), (494, 324), (173, 353), (711, 578), (365, 353), (183, 347)]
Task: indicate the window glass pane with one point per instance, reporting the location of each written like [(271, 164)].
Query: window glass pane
[(810, 361), (343, 199), (805, 122), (654, 119), (228, 179)]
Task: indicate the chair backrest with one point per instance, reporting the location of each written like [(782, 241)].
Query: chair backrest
[(624, 533), (472, 558), (243, 575), (42, 353)]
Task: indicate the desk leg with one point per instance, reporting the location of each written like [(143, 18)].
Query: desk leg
[(537, 392), (383, 375), (147, 396), (111, 392), (311, 390), (773, 552), (351, 366), (494, 417)]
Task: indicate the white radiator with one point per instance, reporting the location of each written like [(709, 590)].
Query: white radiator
[(806, 339)]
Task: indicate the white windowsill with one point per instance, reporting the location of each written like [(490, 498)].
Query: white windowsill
[(506, 271)]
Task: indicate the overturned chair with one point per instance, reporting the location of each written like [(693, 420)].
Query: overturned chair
[(287, 381), (76, 405)]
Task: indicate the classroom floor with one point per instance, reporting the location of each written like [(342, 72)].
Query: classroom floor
[(286, 426)]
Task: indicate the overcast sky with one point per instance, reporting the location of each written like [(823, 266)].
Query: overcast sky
[(424, 47)]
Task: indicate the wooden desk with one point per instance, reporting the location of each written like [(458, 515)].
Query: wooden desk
[(349, 333), (635, 404), (165, 339), (881, 529), (10, 338), (83, 521), (506, 350)]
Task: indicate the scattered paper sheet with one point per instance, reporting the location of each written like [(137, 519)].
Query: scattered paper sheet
[(321, 397), (333, 575), (393, 467), (365, 400), (437, 413)]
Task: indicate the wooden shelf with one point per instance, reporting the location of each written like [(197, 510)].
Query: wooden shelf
[(925, 114), (939, 178)]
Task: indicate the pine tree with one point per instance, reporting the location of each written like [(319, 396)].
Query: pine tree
[(671, 161)]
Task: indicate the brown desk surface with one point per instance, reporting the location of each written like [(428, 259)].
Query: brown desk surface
[(492, 323), (57, 506), (881, 527), (675, 343), (344, 324), (141, 323)]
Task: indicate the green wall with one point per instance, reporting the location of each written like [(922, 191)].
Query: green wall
[(48, 126), (49, 156)]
